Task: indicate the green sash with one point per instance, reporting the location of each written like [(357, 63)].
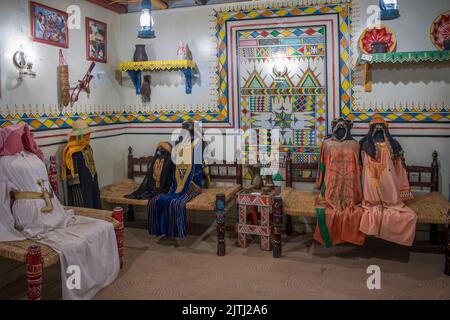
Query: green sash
[(322, 222)]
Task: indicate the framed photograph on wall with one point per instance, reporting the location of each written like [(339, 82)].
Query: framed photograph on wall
[(49, 25), (96, 41)]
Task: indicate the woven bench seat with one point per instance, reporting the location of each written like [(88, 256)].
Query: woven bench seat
[(17, 250), (115, 194), (206, 201), (431, 208), (299, 203)]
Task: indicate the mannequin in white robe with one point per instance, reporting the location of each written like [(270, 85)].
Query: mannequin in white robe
[(80, 241)]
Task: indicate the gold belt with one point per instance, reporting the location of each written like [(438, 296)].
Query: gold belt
[(17, 196)]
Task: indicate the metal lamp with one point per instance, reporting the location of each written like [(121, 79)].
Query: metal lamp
[(146, 31), (389, 9)]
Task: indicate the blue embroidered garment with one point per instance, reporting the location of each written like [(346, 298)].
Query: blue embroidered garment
[(167, 212)]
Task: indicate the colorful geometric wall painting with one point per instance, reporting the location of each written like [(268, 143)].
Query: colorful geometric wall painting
[(292, 100), (293, 76)]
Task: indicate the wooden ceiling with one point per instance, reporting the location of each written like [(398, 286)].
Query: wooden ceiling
[(124, 6), (121, 6)]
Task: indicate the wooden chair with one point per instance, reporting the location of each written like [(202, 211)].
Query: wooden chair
[(431, 208), (217, 200)]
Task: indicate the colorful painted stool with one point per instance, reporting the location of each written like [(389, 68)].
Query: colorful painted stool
[(266, 229)]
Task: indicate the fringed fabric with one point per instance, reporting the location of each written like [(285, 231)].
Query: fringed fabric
[(167, 213)]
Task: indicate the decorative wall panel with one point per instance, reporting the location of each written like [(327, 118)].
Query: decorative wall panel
[(291, 74)]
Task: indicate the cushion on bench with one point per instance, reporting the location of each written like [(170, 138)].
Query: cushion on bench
[(17, 250), (431, 208)]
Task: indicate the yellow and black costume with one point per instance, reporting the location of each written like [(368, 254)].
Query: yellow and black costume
[(78, 168), (159, 176), (167, 212)]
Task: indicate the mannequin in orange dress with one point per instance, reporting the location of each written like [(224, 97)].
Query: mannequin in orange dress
[(339, 179), (385, 185)]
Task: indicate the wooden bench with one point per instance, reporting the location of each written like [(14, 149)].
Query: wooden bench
[(431, 208), (20, 251), (206, 201)]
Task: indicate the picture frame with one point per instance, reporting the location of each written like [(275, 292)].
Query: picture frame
[(49, 25), (96, 40)]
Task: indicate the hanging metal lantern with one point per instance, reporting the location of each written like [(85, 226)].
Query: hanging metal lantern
[(146, 31), (389, 9)]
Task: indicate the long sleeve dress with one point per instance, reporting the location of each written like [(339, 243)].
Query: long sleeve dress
[(167, 212), (83, 187), (80, 241), (385, 184), (339, 179)]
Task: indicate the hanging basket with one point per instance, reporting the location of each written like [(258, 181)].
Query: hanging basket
[(63, 77)]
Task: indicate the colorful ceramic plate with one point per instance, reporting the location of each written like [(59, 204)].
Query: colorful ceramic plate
[(440, 30), (377, 34)]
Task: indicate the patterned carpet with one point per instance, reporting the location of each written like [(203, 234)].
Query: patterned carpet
[(158, 268)]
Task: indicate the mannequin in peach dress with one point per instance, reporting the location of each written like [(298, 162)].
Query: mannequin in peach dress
[(385, 185), (339, 179)]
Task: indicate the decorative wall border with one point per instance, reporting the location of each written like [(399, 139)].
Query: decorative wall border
[(343, 9), (40, 122)]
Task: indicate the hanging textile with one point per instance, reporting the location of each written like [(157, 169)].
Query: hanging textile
[(63, 77), (385, 185), (167, 212), (339, 176)]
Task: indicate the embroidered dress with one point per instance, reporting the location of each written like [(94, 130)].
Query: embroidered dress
[(167, 212), (81, 173), (337, 209), (385, 183), (159, 174), (80, 241)]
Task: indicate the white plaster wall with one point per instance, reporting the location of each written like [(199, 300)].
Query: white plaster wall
[(14, 22), (412, 33), (420, 82), (42, 91), (193, 26), (109, 156)]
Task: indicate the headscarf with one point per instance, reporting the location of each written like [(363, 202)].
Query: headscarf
[(341, 126), (17, 138), (368, 142), (75, 144)]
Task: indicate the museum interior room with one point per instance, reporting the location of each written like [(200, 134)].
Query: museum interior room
[(224, 150)]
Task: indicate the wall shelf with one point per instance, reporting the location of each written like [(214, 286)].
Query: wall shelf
[(398, 57), (135, 69)]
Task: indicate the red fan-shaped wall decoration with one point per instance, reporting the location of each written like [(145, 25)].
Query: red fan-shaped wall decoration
[(440, 30), (377, 34)]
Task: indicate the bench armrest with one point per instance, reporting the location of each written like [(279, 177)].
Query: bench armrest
[(96, 214)]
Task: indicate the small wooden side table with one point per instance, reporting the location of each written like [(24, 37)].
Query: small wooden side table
[(246, 201)]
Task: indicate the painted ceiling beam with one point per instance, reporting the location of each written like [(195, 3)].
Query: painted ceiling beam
[(118, 8)]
